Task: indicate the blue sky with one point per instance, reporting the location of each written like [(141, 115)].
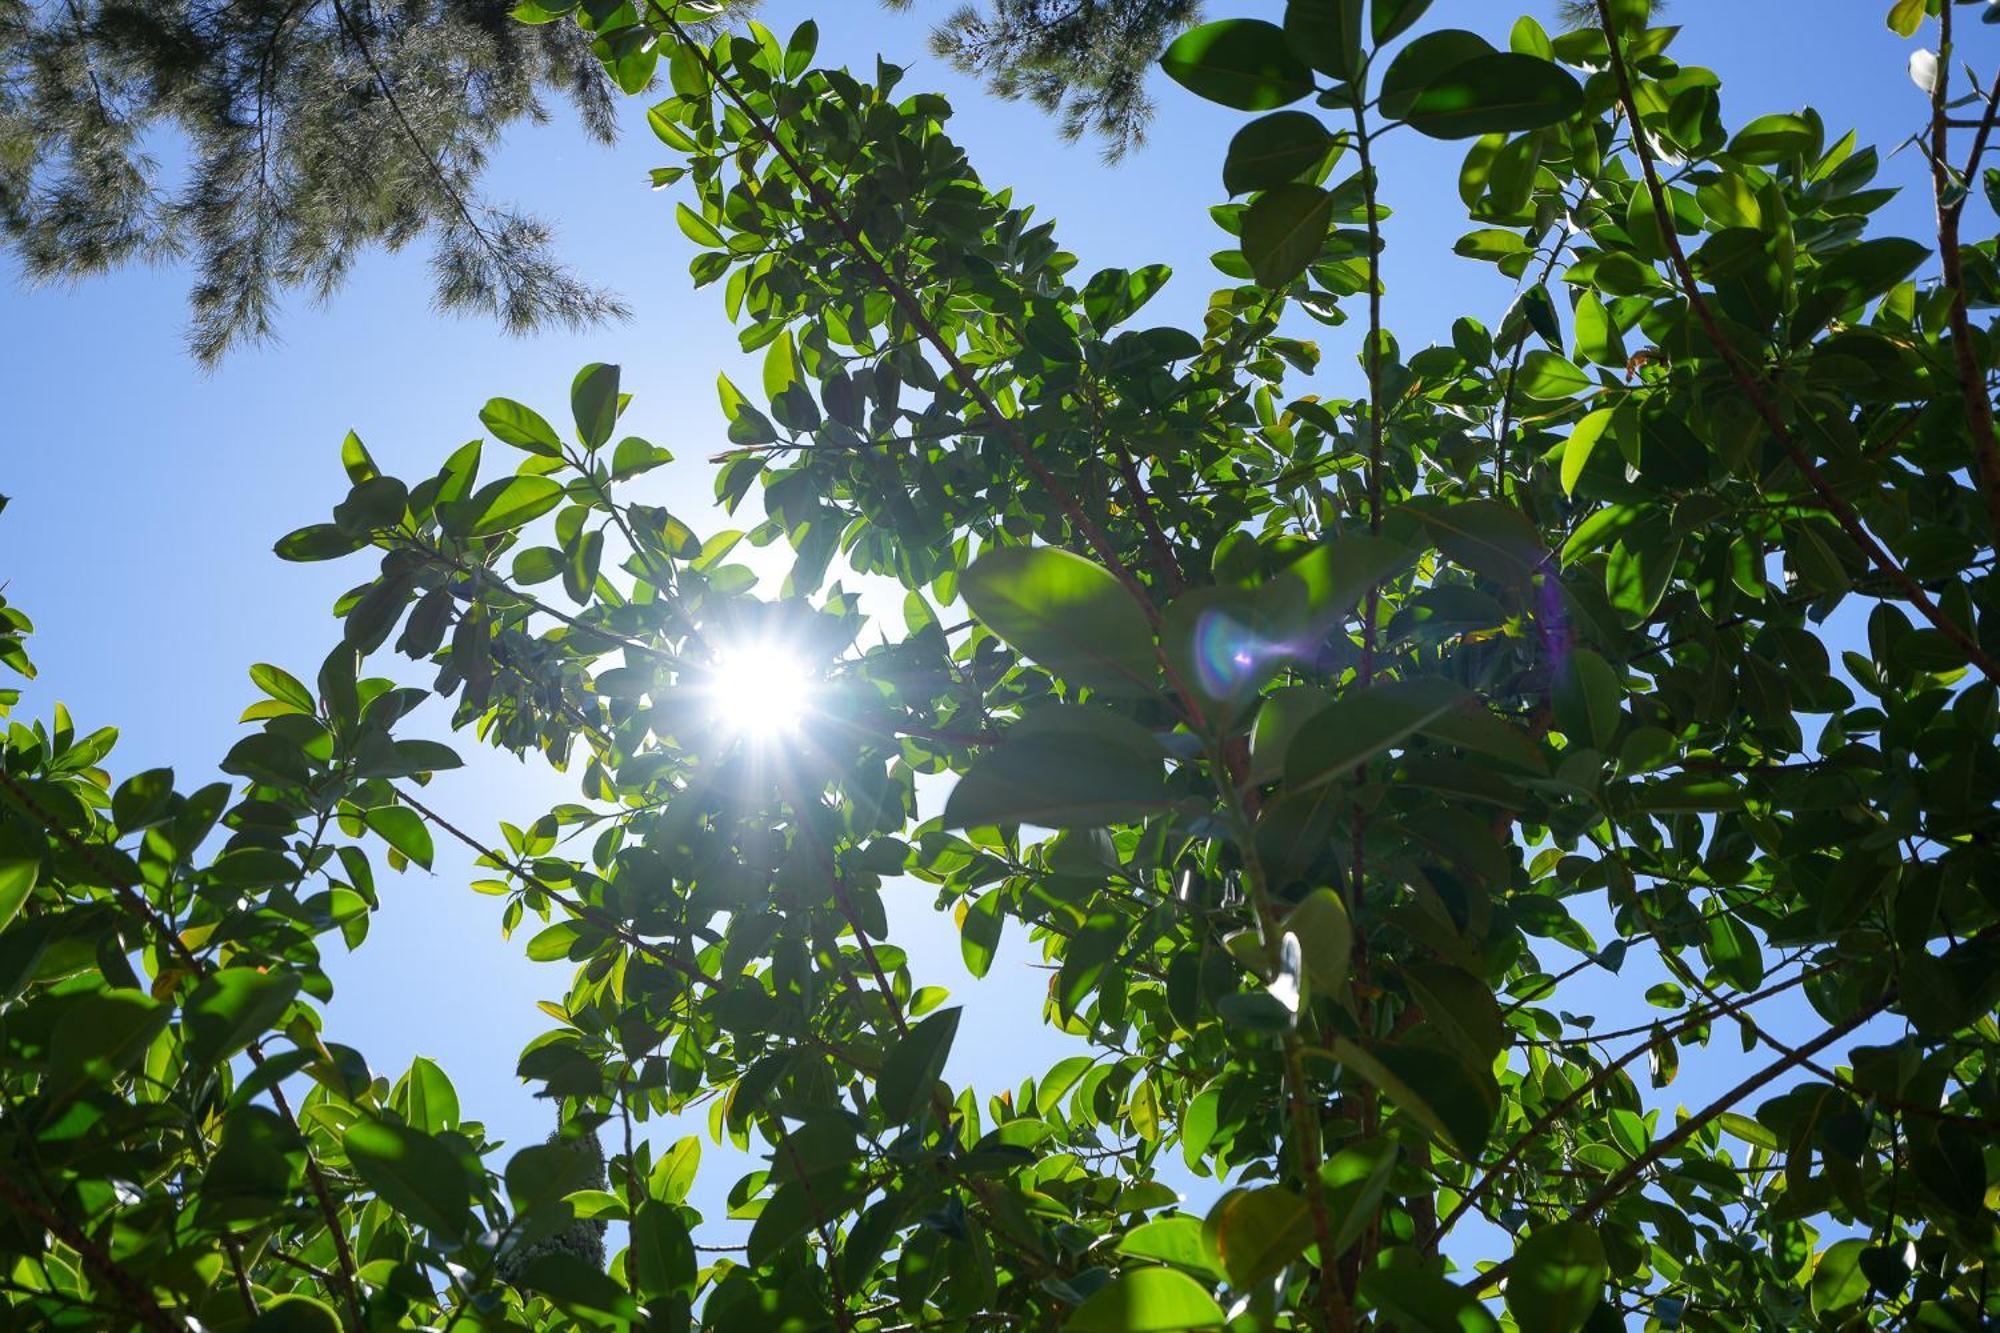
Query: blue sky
[(146, 494)]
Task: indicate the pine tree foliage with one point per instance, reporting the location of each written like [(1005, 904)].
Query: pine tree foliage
[(271, 142), (1085, 61)]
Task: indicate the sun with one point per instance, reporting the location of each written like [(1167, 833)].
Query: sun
[(760, 691)]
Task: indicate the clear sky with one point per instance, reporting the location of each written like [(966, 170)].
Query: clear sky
[(146, 494)]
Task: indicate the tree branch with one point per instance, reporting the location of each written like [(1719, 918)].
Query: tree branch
[(1747, 381)]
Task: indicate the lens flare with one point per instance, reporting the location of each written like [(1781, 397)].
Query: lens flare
[(1230, 657), (760, 691)]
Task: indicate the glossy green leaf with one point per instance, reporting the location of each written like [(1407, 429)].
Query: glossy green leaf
[(233, 1007), (1180, 1242), (98, 1037), (1065, 613), (1259, 1231), (17, 881), (416, 1173), (1284, 231), (595, 403), (1502, 93), (1242, 63), (913, 1067), (521, 426), (1577, 448), (405, 830), (512, 503), (1363, 724), (1147, 1300), (1558, 1276), (979, 933), (1275, 150)]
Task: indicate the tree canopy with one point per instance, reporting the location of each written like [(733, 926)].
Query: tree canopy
[(306, 132), (1316, 744)]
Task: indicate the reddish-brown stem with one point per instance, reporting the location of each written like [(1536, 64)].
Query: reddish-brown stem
[(1694, 1124), (1971, 375), (138, 1300), (1554, 1114), (1752, 388), (1142, 502)]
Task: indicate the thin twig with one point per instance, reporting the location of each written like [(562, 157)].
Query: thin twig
[(138, 1300), (1971, 375)]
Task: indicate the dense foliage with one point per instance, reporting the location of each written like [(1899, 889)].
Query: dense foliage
[(273, 142), (1363, 727)]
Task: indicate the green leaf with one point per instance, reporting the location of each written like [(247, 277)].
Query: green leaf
[(1326, 940), (1459, 1009), (318, 541), (1354, 1180), (575, 1285), (553, 942), (1558, 1277), (522, 427), (1363, 724), (1411, 1287), (1639, 570), (1486, 537), (1589, 697), (1275, 150), (1837, 1280), (1734, 953), (1114, 295), (1583, 438), (1549, 377), (594, 402), (1147, 1300), (232, 1008), (17, 881), (1597, 337), (1502, 93), (979, 933), (1181, 1242), (429, 1101), (1905, 17), (403, 829), (1327, 33), (1085, 957), (912, 1069), (1067, 614), (673, 1174), (1065, 767), (414, 1173), (1242, 63), (1284, 230), (97, 1037), (1323, 586), (512, 502), (1427, 59), (283, 686), (1392, 18), (781, 365), (1428, 1085), (1258, 1231), (373, 504), (697, 228), (662, 1251), (355, 460), (1775, 138), (295, 1313)]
